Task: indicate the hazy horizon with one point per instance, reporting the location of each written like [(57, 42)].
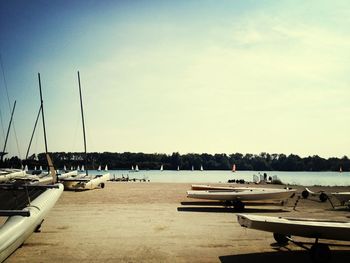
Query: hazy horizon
[(179, 76)]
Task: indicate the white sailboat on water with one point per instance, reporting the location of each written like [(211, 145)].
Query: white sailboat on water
[(161, 168), (201, 167), (178, 168), (136, 168), (233, 168)]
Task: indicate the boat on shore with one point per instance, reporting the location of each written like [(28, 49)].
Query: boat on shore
[(254, 194), (11, 174), (284, 228), (85, 182), (20, 224)]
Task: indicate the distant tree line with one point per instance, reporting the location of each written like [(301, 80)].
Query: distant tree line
[(257, 162)]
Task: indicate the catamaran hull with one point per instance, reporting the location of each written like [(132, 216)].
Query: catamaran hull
[(79, 184), (311, 228), (17, 229), (262, 194), (9, 174)]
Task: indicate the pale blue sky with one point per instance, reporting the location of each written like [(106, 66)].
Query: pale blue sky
[(187, 76)]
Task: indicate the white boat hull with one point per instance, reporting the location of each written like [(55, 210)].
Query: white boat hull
[(256, 194), (17, 229), (9, 174), (311, 228), (81, 183)]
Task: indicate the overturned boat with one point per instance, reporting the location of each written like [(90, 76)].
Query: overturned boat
[(284, 228), (238, 197)]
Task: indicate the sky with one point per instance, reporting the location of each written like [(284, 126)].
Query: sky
[(178, 76)]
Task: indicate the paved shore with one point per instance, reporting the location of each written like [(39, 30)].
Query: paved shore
[(156, 222)]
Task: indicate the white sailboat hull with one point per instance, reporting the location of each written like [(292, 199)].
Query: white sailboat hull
[(311, 228), (17, 228), (256, 194), (83, 183), (9, 174)]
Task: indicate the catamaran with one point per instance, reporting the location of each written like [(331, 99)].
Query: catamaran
[(283, 228), (84, 182), (27, 202)]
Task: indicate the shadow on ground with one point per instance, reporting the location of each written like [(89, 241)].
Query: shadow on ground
[(338, 256), (228, 210)]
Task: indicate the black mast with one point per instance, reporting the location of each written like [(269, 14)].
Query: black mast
[(82, 119), (42, 113), (8, 131)]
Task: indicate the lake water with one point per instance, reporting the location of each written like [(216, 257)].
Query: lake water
[(295, 178)]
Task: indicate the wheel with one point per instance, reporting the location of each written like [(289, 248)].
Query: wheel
[(323, 197), (320, 253), (238, 206), (102, 185), (281, 239), (305, 194)]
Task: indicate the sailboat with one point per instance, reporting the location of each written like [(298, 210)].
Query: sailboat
[(136, 168), (99, 168), (201, 167), (239, 196), (284, 227), (192, 168), (233, 168), (161, 167), (28, 210), (178, 168), (106, 167), (340, 169), (85, 182)]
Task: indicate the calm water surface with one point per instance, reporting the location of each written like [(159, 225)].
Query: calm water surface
[(295, 178)]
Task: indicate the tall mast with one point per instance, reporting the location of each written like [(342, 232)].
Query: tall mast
[(8, 131), (82, 119), (42, 113)]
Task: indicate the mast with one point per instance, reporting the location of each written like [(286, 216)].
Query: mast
[(82, 119), (42, 112), (8, 131)]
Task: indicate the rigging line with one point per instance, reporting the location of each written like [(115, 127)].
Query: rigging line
[(2, 126), (9, 104), (31, 138)]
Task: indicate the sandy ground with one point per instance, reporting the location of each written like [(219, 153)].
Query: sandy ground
[(156, 222)]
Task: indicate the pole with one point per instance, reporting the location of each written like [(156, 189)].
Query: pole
[(42, 113), (82, 119), (8, 131)]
